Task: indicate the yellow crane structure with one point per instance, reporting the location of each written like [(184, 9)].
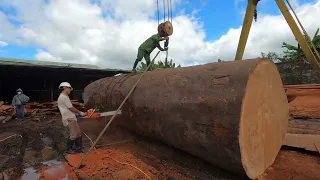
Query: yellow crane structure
[(312, 57)]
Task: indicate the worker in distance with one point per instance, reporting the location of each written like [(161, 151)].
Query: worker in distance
[(146, 48), (18, 102), (69, 119)]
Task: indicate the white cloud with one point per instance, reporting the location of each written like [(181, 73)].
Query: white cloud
[(3, 44), (109, 32), (45, 56)]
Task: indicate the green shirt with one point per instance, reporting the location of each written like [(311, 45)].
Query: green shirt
[(151, 43)]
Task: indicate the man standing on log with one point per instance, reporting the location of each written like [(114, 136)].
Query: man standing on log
[(68, 113), (147, 47)]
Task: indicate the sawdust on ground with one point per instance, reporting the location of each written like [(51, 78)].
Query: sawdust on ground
[(116, 164), (294, 166), (305, 106)]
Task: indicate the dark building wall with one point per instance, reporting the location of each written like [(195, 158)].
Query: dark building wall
[(297, 73), (41, 84)]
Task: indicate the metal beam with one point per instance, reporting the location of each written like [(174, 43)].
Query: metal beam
[(298, 35), (247, 22)]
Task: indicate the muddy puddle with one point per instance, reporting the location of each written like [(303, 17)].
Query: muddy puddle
[(52, 169)]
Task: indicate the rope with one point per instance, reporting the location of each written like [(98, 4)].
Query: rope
[(304, 31), (117, 160), (131, 166), (10, 137), (114, 115)]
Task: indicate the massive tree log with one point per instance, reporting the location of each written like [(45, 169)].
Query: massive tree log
[(232, 114)]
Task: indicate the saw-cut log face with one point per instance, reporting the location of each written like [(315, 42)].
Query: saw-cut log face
[(264, 119), (165, 29)]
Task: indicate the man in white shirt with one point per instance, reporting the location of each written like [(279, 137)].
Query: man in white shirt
[(68, 113)]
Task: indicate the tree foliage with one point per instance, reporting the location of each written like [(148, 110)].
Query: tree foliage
[(272, 56), (160, 64), (291, 52)]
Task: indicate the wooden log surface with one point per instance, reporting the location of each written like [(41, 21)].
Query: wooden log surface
[(165, 29), (232, 114)]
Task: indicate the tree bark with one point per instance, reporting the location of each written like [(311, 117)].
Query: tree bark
[(232, 114)]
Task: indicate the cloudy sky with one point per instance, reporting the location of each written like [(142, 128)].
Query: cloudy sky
[(108, 32)]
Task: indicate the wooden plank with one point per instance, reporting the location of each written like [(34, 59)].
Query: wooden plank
[(305, 141), (304, 126), (302, 86)]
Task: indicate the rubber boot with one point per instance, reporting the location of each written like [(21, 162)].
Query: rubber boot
[(69, 146), (134, 66), (148, 63), (79, 146)]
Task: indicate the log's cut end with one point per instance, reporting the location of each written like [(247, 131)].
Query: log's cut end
[(264, 119)]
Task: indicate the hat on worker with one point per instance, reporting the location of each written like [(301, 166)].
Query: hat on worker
[(19, 90), (64, 85)]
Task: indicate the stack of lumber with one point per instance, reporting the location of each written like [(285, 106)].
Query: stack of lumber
[(6, 112), (35, 109), (304, 100)]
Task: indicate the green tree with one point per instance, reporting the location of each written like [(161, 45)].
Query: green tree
[(292, 53), (272, 56), (160, 64)]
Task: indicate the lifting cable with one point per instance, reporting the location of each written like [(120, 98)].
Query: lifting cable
[(168, 10), (169, 15), (170, 6), (305, 32), (158, 12), (164, 11)]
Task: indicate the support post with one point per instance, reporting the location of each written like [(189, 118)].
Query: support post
[(247, 22), (298, 35), (51, 91)]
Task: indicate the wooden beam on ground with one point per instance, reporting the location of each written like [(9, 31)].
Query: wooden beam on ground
[(306, 141)]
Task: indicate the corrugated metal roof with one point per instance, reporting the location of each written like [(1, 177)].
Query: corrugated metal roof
[(19, 62), (47, 64)]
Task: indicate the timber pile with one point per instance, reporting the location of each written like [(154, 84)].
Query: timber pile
[(6, 112), (305, 100), (35, 109), (232, 114)]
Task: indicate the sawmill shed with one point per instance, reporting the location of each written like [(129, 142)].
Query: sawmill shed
[(40, 79)]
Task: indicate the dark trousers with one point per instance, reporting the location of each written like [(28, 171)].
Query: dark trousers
[(20, 112), (142, 54)]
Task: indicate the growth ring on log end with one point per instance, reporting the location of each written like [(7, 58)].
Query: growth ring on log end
[(232, 114), (165, 29), (263, 120)]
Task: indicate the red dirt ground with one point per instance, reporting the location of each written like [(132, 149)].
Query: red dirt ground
[(291, 165), (155, 159), (115, 164)]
